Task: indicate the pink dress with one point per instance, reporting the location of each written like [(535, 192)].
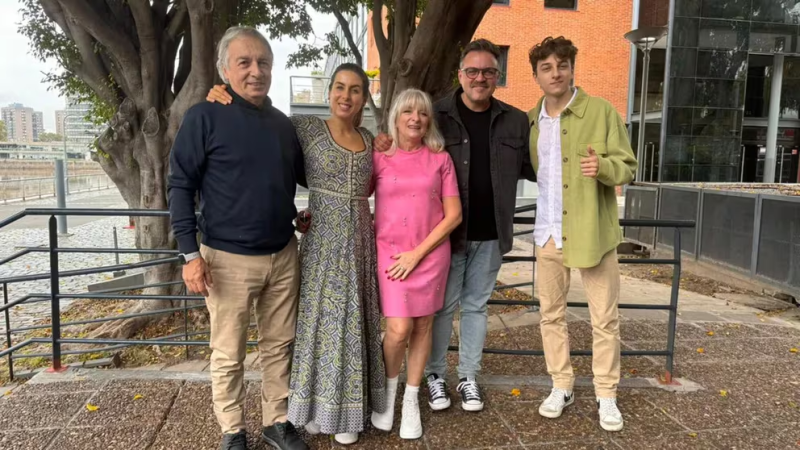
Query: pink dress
[(409, 188)]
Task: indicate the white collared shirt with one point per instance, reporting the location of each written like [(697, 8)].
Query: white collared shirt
[(550, 202)]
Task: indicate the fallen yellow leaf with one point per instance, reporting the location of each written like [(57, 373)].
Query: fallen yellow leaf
[(516, 274), (91, 407), (633, 371), (692, 435), (701, 350), (120, 311), (793, 350), (710, 333), (723, 393), (7, 393), (138, 397), (515, 392)]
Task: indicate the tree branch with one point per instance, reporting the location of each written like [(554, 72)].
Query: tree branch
[(176, 23), (91, 68), (184, 64), (116, 42), (349, 37), (381, 42), (149, 53), (53, 10)]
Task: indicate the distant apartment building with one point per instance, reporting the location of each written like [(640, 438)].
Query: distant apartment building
[(38, 125), (77, 128), (19, 121), (60, 122)]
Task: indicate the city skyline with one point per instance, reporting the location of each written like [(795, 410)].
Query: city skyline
[(21, 73)]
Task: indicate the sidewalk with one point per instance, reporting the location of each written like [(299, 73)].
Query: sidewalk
[(742, 391), (759, 408)]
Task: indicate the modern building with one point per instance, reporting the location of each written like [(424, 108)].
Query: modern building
[(38, 125), (77, 128), (723, 101), (19, 122), (60, 122)]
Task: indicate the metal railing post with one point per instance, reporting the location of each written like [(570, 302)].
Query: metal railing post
[(61, 196), (673, 305), (8, 334), (55, 302)]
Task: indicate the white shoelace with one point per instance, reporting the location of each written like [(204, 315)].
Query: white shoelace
[(556, 400), (470, 388), (436, 388), (608, 409)]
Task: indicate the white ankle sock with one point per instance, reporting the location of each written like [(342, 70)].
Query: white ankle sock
[(412, 391), (391, 383)]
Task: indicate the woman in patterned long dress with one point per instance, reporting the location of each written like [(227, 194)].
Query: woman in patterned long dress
[(338, 376)]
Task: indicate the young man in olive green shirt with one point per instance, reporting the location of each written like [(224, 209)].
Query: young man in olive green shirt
[(581, 152)]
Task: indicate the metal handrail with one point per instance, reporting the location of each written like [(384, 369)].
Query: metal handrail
[(55, 297)]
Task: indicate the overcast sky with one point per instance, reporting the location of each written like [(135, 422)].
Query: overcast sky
[(21, 73)]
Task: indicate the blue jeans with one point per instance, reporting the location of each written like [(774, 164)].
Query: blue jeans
[(470, 283)]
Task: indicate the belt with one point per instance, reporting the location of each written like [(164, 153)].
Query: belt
[(337, 194)]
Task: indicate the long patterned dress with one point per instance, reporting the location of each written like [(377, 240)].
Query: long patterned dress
[(338, 375)]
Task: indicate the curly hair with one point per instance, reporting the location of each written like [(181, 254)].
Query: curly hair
[(560, 46)]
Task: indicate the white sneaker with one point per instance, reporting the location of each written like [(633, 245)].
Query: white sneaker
[(610, 417), (385, 420), (346, 438), (554, 405), (313, 428), (410, 424)]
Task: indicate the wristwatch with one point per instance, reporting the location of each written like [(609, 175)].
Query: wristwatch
[(185, 258)]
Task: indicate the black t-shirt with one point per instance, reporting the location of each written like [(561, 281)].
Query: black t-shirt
[(481, 223)]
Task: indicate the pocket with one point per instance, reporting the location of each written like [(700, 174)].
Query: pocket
[(509, 154), (207, 253), (599, 148)]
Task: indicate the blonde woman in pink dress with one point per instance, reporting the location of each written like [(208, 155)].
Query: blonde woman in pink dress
[(416, 208)]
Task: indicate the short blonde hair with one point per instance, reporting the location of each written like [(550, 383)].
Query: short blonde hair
[(416, 99)]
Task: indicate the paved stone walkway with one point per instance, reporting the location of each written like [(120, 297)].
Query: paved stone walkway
[(741, 392)]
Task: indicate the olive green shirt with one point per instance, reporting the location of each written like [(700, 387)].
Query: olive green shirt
[(590, 226)]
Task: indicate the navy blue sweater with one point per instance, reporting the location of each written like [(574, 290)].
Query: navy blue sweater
[(245, 162)]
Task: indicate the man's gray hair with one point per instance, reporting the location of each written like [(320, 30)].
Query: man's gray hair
[(230, 35)]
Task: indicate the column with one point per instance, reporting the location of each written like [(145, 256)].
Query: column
[(774, 116)]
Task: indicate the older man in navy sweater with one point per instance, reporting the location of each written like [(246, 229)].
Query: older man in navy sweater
[(245, 162)]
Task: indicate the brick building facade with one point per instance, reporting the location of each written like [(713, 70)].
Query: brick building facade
[(595, 26)]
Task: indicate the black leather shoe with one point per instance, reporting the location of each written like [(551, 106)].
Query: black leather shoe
[(283, 436), (236, 441)]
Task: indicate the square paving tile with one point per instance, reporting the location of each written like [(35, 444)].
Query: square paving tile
[(193, 405), (448, 429), (779, 331), (573, 425), (708, 410), (70, 387), (117, 437), (734, 330), (165, 385), (778, 348), (531, 396), (572, 445), (720, 349), (642, 418), (122, 406), (176, 435), (28, 440), (783, 437), (28, 411), (630, 330), (676, 441)]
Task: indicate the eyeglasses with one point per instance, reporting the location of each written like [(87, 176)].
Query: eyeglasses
[(489, 73)]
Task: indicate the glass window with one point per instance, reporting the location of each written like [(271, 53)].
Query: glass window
[(719, 93), (502, 62), (501, 2), (687, 8), (773, 38), (724, 34), (685, 32), (561, 4), (727, 9), (783, 11), (790, 90), (726, 64), (759, 74)]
